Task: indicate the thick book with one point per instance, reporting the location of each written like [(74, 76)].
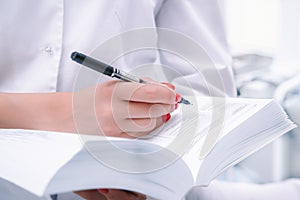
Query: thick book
[(200, 142)]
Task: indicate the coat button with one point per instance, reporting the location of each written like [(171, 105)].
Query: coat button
[(48, 50)]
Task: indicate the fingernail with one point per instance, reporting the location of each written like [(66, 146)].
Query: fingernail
[(176, 105), (166, 117), (178, 97), (170, 85), (103, 191)]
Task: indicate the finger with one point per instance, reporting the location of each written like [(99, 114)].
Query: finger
[(171, 86), (114, 194), (138, 125), (148, 93), (141, 127), (142, 110), (91, 195)]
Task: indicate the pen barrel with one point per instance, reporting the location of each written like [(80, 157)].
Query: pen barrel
[(126, 77), (98, 66), (92, 63)]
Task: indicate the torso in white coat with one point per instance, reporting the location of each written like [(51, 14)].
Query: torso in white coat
[(37, 38)]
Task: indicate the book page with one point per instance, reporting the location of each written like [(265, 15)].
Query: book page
[(231, 115), (249, 124), (215, 119), (226, 112), (45, 162), (27, 152)]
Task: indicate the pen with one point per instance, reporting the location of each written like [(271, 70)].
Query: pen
[(110, 70)]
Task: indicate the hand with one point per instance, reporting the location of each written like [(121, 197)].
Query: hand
[(123, 109), (110, 194)]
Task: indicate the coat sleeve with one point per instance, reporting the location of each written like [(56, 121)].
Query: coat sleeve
[(192, 46)]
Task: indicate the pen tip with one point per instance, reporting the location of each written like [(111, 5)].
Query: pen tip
[(184, 101)]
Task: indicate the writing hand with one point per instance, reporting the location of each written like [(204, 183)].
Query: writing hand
[(123, 109)]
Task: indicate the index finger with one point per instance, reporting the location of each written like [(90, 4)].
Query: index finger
[(148, 93)]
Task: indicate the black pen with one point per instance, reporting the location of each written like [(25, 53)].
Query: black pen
[(110, 70)]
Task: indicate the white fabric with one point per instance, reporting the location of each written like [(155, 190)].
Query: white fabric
[(37, 38), (289, 189)]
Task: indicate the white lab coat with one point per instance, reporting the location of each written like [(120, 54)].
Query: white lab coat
[(37, 38)]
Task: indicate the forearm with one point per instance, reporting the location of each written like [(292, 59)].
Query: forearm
[(43, 111)]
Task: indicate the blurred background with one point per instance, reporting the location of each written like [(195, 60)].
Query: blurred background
[(264, 38)]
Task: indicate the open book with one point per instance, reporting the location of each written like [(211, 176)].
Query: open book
[(196, 145)]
